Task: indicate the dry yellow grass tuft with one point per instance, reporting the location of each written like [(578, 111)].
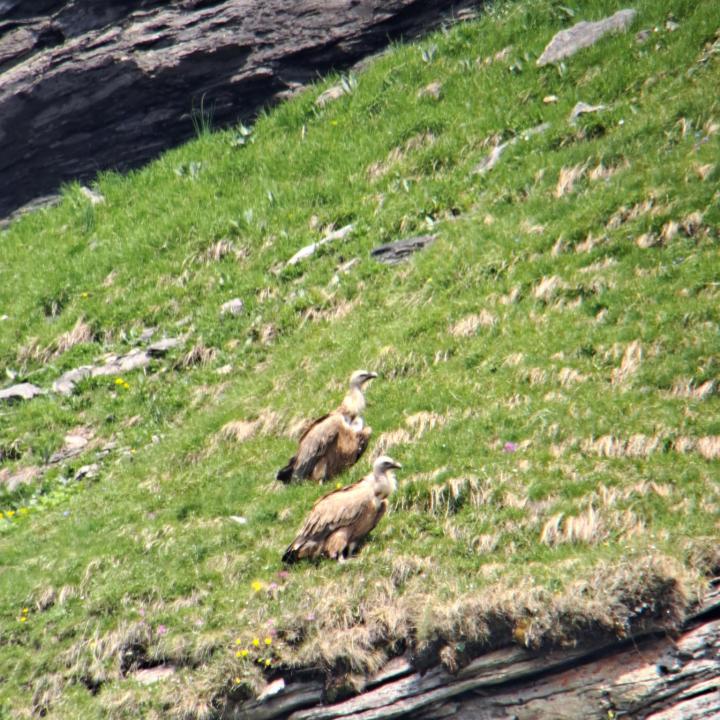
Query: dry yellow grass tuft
[(569, 376), (584, 528), (222, 249), (417, 424), (561, 246), (239, 430), (599, 266), (587, 244), (537, 376), (80, 333), (647, 240), (709, 447), (514, 359), (687, 388), (637, 446), (512, 297), (199, 354), (692, 223), (548, 288), (704, 171), (624, 214), (337, 311), (630, 364), (470, 324), (531, 228), (568, 177), (379, 169)]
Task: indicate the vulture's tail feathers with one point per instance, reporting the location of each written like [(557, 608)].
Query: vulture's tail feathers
[(285, 474)]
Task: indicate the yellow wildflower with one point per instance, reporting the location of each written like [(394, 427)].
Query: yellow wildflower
[(238, 641), (84, 295), (238, 680), (23, 511), (256, 585), (268, 641), (119, 381), (338, 486), (10, 513), (243, 653), (256, 642), (23, 618), (238, 653), (25, 611), (267, 663)]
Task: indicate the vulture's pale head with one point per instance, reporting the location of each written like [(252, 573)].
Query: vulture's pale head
[(385, 463), (385, 480), (360, 377)]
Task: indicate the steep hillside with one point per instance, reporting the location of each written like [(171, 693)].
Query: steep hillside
[(548, 373)]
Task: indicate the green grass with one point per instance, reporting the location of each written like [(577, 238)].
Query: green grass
[(105, 565)]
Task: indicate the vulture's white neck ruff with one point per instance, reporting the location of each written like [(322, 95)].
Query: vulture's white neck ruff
[(385, 483), (354, 402)]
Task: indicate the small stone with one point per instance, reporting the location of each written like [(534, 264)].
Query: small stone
[(65, 384), (87, 472), (584, 34), (550, 99), (583, 108), (349, 265), (74, 444), (21, 391), (232, 307), (490, 160), (647, 240), (309, 250), (148, 676), (332, 93), (643, 36), (672, 26), (395, 252), (146, 335), (433, 90), (161, 347), (93, 196), (224, 370), (239, 519), (275, 687)]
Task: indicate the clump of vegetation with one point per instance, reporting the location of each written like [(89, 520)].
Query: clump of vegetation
[(548, 372)]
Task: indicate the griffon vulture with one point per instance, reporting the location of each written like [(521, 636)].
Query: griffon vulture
[(340, 520), (335, 441)]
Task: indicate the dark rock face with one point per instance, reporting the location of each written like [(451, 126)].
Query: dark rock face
[(87, 86)]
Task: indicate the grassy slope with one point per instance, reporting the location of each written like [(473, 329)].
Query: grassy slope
[(144, 565)]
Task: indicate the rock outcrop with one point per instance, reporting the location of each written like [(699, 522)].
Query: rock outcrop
[(88, 86), (649, 677)]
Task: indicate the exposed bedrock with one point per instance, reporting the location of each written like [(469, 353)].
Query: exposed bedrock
[(88, 86)]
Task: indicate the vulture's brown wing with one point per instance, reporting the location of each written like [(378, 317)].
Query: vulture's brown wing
[(312, 425), (315, 443), (286, 473), (337, 509)]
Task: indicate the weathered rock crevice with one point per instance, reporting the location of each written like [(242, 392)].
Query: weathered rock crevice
[(655, 676), (87, 86)]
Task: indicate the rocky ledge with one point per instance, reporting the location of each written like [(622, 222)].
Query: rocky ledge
[(88, 86)]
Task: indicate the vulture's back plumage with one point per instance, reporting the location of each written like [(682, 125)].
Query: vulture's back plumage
[(340, 520), (333, 442), (329, 446)]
